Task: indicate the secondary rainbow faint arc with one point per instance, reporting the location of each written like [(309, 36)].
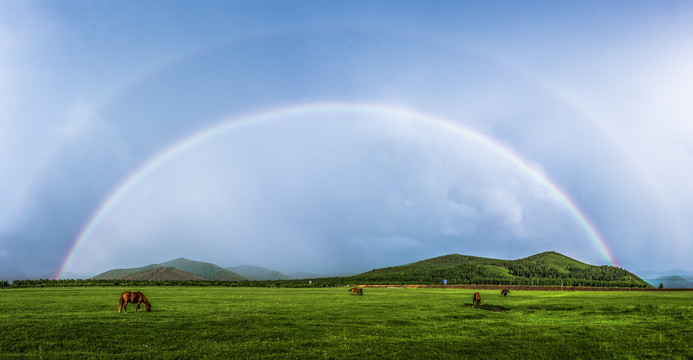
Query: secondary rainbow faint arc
[(226, 126)]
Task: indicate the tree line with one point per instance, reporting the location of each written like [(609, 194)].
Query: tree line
[(325, 282), (527, 273), (596, 273)]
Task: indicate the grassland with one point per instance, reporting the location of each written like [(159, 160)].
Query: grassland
[(384, 323)]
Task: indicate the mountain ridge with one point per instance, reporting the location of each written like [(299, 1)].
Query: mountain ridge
[(205, 270), (258, 273), (546, 268), (162, 274), (672, 282)]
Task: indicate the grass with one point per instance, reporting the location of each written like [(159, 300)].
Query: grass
[(220, 322)]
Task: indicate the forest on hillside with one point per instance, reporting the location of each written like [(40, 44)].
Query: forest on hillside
[(528, 275), (544, 269), (518, 274)]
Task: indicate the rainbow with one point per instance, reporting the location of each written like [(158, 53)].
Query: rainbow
[(154, 163)]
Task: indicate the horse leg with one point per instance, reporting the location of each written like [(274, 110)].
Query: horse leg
[(137, 308), (125, 307)]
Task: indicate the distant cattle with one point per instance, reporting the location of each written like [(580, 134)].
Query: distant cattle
[(356, 291), (476, 299), (505, 292)]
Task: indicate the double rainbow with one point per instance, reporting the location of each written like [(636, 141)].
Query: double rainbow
[(165, 156)]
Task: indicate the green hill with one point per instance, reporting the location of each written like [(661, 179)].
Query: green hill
[(543, 269), (162, 274), (122, 273), (204, 270), (258, 273), (547, 268)]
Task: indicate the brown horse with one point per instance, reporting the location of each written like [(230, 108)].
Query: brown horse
[(133, 297), (356, 291), (505, 292), (476, 299)]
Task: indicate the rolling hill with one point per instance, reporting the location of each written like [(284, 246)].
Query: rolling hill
[(258, 273), (162, 274), (673, 282), (547, 268), (206, 271), (543, 269)]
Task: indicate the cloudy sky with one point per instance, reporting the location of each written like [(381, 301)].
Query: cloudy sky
[(337, 137)]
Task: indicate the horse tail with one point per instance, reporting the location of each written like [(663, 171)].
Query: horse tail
[(120, 303)]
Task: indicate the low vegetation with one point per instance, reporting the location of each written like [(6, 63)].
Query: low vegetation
[(384, 323)]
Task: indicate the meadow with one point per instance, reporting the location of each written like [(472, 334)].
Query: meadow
[(318, 323)]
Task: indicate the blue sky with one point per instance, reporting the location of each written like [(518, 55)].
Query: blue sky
[(141, 132)]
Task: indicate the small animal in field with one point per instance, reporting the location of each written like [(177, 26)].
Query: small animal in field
[(476, 299), (356, 291), (505, 292), (133, 297)]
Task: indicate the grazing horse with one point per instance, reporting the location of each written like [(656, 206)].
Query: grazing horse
[(133, 297), (505, 292), (476, 299), (356, 291)]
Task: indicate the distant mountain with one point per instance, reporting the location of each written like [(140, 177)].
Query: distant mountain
[(258, 273), (204, 270), (306, 275), (69, 275), (122, 273), (162, 274), (547, 268), (7, 276), (648, 274), (673, 282)]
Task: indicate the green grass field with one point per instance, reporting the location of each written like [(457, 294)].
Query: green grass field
[(221, 322)]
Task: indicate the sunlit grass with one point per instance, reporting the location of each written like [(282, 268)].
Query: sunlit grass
[(329, 323)]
